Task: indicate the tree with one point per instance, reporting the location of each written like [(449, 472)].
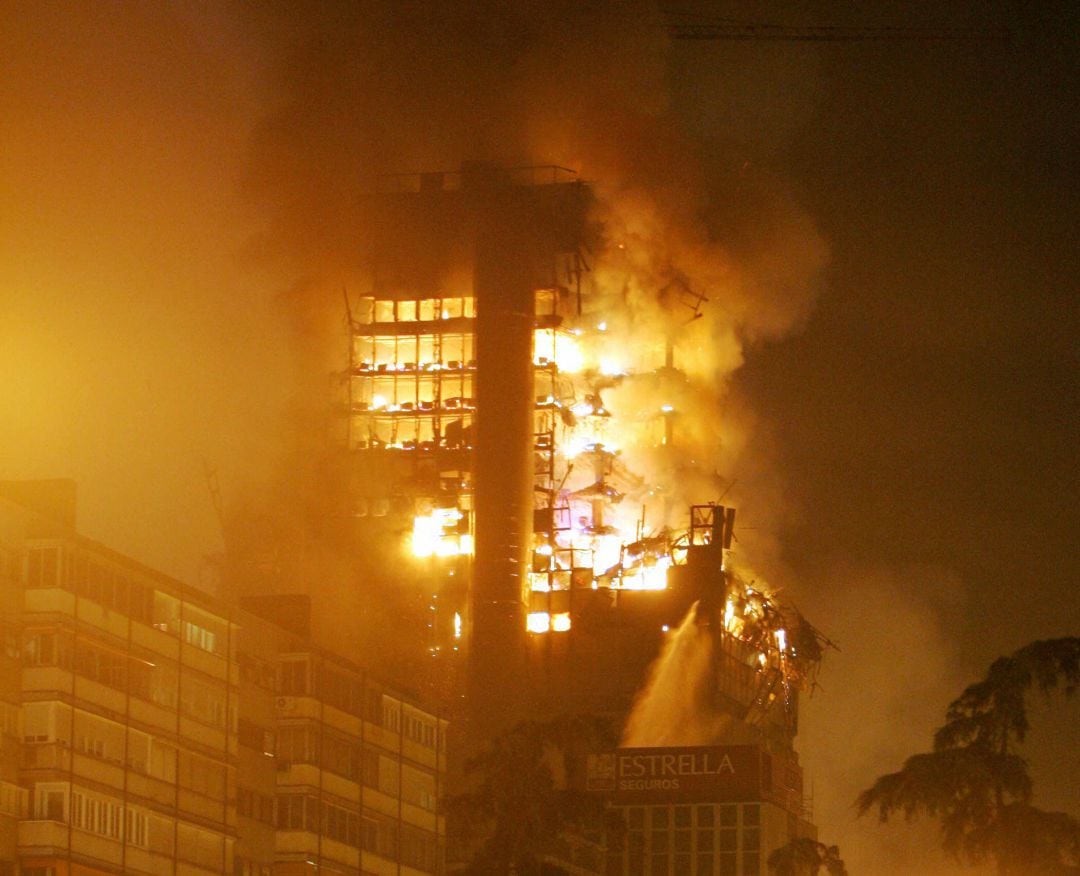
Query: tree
[(976, 782), (806, 857), (524, 797)]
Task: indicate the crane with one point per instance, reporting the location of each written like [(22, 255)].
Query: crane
[(691, 26)]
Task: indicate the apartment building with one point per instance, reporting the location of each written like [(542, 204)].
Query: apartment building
[(148, 728), (359, 768)]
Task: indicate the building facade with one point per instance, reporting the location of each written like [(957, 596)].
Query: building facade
[(700, 811), (148, 728)]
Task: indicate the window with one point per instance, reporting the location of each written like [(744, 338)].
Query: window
[(420, 731), (257, 671), (98, 737), (162, 764), (153, 682), (296, 812), (137, 827), (378, 835), (253, 804), (50, 801), (418, 788), (42, 567), (202, 775), (100, 583), (160, 834), (163, 686), (340, 755), (203, 702), (204, 630), (257, 738), (200, 847), (340, 690), (419, 849), (100, 664), (635, 844), (138, 751), (295, 745), (364, 309), (46, 722), (384, 311), (9, 642), (391, 714), (370, 768), (373, 705), (369, 829), (166, 613), (294, 677), (141, 603), (388, 776), (13, 799), (46, 648), (339, 823), (199, 636)]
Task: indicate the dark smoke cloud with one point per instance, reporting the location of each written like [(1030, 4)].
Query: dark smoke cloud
[(357, 91), (181, 210)]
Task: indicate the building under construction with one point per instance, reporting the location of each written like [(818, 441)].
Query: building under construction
[(484, 446)]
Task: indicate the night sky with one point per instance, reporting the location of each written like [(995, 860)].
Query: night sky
[(177, 201)]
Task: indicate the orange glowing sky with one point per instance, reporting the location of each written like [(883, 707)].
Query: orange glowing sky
[(171, 174)]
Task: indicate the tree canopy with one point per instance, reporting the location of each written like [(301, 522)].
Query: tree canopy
[(524, 797), (806, 857), (975, 781)]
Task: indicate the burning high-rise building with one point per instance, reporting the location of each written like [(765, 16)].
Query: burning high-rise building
[(523, 430), (446, 409)]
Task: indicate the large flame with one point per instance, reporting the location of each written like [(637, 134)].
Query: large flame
[(437, 534)]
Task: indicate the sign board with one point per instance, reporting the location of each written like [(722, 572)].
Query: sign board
[(654, 775)]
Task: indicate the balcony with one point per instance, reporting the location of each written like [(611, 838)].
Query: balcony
[(42, 837)]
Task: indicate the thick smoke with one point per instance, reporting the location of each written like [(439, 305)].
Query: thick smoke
[(183, 207), (887, 687), (360, 90)]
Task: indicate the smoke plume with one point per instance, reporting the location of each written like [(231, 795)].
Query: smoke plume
[(357, 91)]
